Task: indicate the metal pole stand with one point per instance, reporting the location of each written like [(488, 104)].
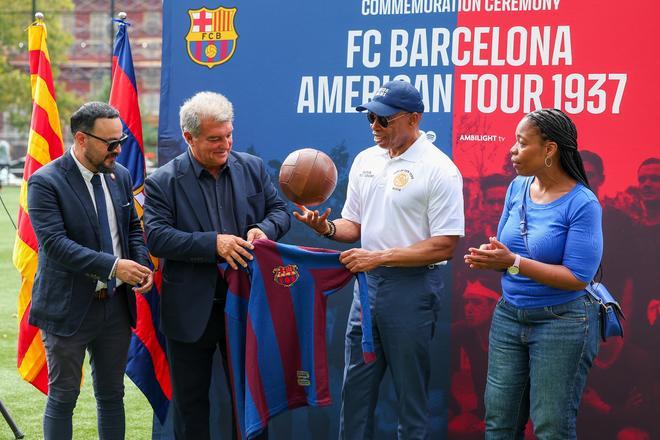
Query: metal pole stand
[(17, 432)]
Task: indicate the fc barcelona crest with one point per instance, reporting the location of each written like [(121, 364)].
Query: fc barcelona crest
[(211, 39), (286, 275)]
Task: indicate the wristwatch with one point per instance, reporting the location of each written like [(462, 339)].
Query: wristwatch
[(515, 269)]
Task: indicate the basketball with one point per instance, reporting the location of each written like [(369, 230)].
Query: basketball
[(308, 177)]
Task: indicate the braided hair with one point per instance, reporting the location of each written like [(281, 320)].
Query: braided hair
[(554, 125)]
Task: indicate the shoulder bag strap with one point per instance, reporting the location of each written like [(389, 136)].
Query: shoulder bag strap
[(523, 212)]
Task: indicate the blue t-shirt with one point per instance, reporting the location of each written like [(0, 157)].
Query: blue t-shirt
[(567, 231)]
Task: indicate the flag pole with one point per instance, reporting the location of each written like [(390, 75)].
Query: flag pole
[(7, 211), (5, 413), (17, 432), (121, 16)]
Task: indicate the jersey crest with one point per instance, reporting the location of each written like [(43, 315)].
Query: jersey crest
[(286, 275)]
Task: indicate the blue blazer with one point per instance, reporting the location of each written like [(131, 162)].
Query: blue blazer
[(70, 261), (180, 232)]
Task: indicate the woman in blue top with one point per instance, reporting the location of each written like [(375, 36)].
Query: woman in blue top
[(545, 329)]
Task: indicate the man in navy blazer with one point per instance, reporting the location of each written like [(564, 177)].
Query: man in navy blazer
[(203, 207), (91, 249)]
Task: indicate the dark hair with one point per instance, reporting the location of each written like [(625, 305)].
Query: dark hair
[(84, 118), (593, 158), (554, 125), (649, 161)]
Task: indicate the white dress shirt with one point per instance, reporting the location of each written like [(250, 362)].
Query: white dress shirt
[(112, 218)]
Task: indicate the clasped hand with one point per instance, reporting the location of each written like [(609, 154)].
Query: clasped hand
[(491, 255), (135, 274)]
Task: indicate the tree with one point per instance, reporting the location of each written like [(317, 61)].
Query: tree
[(15, 95)]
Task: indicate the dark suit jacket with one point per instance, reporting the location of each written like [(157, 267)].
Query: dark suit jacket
[(180, 232), (67, 229)]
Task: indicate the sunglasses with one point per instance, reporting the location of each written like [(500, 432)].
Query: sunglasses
[(383, 121), (112, 144)]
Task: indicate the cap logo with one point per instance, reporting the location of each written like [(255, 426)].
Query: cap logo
[(382, 92)]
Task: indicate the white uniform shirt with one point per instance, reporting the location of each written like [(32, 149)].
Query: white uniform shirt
[(112, 218), (406, 199)]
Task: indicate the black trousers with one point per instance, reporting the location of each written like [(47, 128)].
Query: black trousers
[(191, 369)]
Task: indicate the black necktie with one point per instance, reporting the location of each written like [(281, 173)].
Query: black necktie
[(102, 212)]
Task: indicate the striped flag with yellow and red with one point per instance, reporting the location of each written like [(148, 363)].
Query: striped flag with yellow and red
[(44, 144)]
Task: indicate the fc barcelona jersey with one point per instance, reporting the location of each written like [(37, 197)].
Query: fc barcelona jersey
[(276, 330)]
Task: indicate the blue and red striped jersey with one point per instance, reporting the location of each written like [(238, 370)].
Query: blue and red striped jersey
[(276, 330)]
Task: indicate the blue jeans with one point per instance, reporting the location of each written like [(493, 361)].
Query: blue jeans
[(538, 361)]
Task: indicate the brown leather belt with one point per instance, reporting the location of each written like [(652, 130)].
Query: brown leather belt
[(101, 294)]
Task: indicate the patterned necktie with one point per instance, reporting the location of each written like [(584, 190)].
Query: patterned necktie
[(102, 212)]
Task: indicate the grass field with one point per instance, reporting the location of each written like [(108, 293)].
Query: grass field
[(24, 402)]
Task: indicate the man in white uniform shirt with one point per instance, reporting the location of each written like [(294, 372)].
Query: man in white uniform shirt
[(405, 204)]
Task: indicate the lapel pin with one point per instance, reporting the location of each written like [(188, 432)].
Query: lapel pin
[(112, 176)]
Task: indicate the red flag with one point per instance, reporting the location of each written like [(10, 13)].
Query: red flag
[(44, 144)]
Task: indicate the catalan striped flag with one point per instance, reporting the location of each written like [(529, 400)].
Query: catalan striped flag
[(147, 363), (223, 20), (44, 144)]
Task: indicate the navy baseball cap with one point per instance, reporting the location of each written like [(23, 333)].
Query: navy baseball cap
[(393, 97)]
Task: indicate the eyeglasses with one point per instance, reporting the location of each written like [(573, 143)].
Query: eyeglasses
[(113, 143), (383, 121)]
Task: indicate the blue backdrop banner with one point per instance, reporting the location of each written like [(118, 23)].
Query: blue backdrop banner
[(296, 70)]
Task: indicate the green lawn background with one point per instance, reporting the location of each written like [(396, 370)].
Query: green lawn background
[(24, 402)]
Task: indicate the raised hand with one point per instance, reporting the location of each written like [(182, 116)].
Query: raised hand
[(318, 222)]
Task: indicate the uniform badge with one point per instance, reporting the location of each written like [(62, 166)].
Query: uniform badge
[(401, 179), (286, 275), (211, 39)]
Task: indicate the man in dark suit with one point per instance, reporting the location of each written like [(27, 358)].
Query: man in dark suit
[(205, 206), (91, 250)]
